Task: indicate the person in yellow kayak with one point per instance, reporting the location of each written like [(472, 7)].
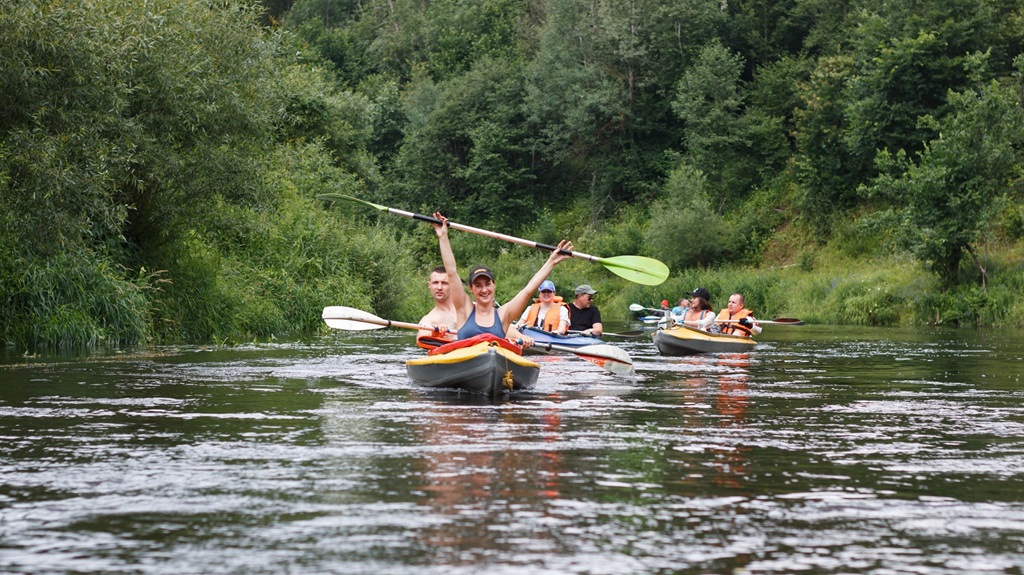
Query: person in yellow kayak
[(478, 314), (548, 312), (701, 315), (736, 319), (443, 313)]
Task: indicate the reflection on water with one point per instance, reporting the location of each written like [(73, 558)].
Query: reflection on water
[(821, 451)]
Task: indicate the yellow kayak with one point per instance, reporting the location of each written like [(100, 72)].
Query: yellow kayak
[(685, 340), (490, 366)]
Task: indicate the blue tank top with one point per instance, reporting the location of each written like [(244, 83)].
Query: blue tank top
[(471, 329)]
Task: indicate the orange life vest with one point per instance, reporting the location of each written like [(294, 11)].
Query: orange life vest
[(551, 318), (694, 315), (732, 328)]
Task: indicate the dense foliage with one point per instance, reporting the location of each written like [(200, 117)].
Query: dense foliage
[(160, 161), (158, 168), (801, 112)]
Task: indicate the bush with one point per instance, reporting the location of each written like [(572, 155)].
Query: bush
[(73, 300)]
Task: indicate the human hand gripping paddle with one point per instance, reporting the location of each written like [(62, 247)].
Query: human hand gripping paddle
[(777, 321), (638, 269), (609, 357)]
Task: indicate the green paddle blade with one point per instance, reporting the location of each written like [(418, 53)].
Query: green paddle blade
[(637, 269), (343, 198)]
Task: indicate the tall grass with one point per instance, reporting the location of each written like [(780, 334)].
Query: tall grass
[(71, 300), (841, 290), (276, 277)]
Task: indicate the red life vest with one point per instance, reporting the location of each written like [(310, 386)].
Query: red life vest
[(433, 341), (551, 318), (484, 337)]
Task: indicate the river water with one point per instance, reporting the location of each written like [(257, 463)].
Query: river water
[(825, 450)]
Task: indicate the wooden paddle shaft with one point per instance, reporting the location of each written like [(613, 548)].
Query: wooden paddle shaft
[(781, 321), (639, 269), (490, 234)]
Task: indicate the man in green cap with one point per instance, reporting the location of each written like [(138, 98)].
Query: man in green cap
[(584, 317)]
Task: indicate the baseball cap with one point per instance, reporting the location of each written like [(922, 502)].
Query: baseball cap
[(480, 271), (547, 285), (585, 289), (701, 292)]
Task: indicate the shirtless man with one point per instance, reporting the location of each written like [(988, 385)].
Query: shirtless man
[(443, 315)]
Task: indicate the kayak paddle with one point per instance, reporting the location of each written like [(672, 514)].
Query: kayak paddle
[(778, 320), (638, 269), (638, 307), (609, 357), (634, 333)]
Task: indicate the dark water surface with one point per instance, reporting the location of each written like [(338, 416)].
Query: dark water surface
[(823, 451)]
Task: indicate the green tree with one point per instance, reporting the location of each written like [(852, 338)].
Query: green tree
[(135, 155), (766, 30), (598, 94), (685, 219), (828, 172), (734, 145), (907, 57), (962, 177), (398, 37), (465, 149)]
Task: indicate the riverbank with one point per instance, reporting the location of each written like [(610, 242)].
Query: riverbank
[(829, 287)]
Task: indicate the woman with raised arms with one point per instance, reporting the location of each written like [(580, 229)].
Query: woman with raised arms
[(479, 314)]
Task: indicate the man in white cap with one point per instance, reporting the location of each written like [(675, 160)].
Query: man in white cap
[(584, 316), (548, 312)]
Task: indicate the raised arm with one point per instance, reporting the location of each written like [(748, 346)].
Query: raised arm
[(511, 310), (458, 293)]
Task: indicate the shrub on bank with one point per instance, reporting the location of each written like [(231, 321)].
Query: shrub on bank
[(73, 299)]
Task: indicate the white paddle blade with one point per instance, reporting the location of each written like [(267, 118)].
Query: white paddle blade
[(609, 357), (350, 324), (351, 319), (636, 307)]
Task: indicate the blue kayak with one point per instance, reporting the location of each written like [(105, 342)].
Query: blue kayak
[(541, 337)]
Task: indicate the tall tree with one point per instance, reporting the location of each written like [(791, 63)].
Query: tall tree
[(600, 84), (465, 148), (908, 55), (735, 146), (828, 173), (950, 195)]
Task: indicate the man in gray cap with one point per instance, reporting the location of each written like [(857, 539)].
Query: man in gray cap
[(584, 317)]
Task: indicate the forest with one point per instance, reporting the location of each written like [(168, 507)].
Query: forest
[(162, 162)]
